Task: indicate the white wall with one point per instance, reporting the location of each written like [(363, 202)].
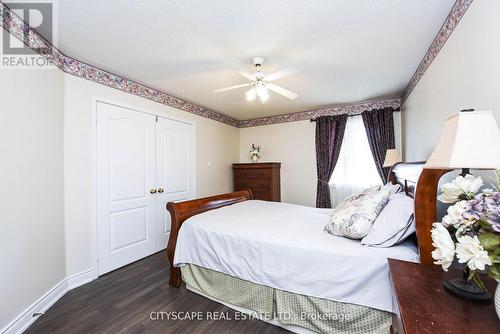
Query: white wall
[(465, 74), (292, 144), (217, 144), (31, 187)]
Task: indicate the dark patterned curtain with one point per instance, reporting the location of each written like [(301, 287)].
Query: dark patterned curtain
[(329, 134), (379, 125)]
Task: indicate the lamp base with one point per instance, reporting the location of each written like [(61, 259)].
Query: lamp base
[(467, 290), (465, 171)]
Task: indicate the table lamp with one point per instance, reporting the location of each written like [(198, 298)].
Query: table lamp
[(391, 157), (470, 139)]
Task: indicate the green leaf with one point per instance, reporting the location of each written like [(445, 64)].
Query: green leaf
[(495, 259), (484, 225), (495, 256), (494, 271), (490, 241)]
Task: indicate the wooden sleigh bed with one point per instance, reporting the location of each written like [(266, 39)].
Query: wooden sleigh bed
[(421, 184), (418, 183)]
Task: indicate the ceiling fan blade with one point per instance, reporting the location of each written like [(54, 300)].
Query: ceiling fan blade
[(233, 87), (280, 74), (244, 72), (282, 91)]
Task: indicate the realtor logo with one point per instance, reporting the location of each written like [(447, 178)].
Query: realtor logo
[(18, 54)]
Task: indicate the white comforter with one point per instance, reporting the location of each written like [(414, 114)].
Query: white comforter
[(284, 246)]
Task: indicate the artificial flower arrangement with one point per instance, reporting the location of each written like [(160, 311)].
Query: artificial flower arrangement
[(255, 152), (471, 229)]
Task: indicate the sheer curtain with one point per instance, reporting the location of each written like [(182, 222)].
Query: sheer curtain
[(355, 169)]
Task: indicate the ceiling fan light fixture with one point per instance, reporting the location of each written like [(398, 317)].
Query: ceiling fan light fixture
[(251, 95), (264, 97), (261, 91), (260, 85)]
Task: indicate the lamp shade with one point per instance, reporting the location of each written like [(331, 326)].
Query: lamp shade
[(470, 139), (391, 157)]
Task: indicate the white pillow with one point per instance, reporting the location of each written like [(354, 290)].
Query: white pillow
[(354, 217), (394, 224), (392, 188)]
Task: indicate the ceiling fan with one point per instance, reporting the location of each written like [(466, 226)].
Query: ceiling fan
[(261, 83)]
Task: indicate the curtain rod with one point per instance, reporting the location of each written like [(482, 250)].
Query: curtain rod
[(349, 115), (352, 115)]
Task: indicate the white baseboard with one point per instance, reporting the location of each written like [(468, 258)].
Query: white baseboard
[(26, 318), (82, 278)]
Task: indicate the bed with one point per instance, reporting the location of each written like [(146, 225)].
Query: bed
[(274, 260)]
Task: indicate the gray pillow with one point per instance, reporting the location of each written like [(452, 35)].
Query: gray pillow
[(394, 224), (392, 188)]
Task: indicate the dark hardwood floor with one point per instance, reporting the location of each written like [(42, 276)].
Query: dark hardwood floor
[(122, 301)]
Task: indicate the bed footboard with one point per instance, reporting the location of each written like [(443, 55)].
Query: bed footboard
[(181, 211)]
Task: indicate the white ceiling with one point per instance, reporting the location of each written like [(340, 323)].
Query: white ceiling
[(346, 50)]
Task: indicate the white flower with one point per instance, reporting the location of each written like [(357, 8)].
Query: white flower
[(468, 185), (454, 216), (448, 220), (445, 248), (470, 251)]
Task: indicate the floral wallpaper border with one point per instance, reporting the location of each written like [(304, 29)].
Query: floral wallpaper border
[(352, 109), (456, 14), (21, 30)]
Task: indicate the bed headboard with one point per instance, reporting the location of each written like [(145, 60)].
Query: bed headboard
[(422, 185), (406, 175)]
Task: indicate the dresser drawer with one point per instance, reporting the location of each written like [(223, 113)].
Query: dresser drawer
[(253, 173), (260, 194), (252, 183)]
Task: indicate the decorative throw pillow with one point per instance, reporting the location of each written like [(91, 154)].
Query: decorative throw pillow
[(354, 218), (355, 197), (394, 224)]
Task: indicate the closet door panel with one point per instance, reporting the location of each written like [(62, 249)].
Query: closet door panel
[(126, 228), (174, 169)]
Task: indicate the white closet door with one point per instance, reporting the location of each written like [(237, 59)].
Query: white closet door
[(174, 170), (126, 225)]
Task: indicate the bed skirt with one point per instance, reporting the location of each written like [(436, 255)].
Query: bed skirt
[(315, 314)]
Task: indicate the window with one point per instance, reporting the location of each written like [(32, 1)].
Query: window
[(355, 169)]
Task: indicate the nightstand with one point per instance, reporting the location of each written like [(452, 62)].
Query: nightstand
[(426, 307)]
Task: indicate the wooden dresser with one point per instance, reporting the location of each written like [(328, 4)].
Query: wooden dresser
[(263, 179)]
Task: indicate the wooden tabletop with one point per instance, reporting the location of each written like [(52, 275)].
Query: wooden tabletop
[(426, 307)]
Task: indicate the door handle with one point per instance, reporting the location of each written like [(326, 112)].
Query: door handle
[(160, 190), (153, 191)]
